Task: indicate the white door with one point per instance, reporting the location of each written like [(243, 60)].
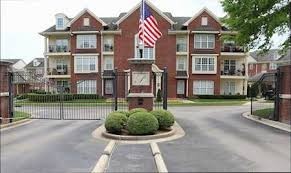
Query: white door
[(181, 87)]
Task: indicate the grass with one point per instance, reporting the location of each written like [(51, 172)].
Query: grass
[(264, 113), (20, 116)]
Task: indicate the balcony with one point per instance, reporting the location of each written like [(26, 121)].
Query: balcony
[(232, 49), (58, 50), (233, 74), (181, 48), (108, 49), (59, 72)]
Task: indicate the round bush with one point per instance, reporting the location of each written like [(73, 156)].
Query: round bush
[(115, 122), (165, 118), (142, 123), (123, 112), (135, 110)]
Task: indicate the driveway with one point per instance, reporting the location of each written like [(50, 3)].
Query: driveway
[(219, 139), (50, 146)]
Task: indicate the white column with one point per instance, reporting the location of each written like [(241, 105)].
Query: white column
[(102, 68), (45, 62)]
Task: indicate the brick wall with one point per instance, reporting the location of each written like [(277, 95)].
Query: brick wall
[(285, 103), (4, 98), (213, 77)]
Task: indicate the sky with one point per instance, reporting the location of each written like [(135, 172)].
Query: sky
[(23, 20)]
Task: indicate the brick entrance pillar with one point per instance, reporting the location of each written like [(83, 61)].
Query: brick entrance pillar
[(141, 91)]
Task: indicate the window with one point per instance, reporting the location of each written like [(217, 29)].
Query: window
[(273, 66), (181, 64), (181, 44), (204, 21), (86, 41), (86, 21), (180, 87), (63, 86), (86, 87), (86, 64), (204, 41), (229, 88), (203, 64), (108, 44), (203, 87), (62, 67), (60, 23), (108, 86), (230, 67), (251, 66), (62, 45), (148, 51), (108, 63)]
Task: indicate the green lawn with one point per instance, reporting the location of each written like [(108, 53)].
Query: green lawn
[(20, 116), (264, 113)]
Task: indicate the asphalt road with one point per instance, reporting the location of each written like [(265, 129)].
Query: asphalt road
[(219, 139), (50, 146)]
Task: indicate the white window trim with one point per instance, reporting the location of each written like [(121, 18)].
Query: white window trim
[(89, 71), (108, 57), (60, 27), (105, 87), (204, 72), (136, 49), (184, 62), (110, 40), (205, 20), (84, 42), (90, 85), (206, 41), (272, 65), (200, 87)]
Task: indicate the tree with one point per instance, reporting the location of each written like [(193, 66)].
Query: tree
[(257, 21)]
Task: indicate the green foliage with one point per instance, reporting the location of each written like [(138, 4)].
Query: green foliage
[(124, 113), (115, 122), (165, 118), (135, 110), (257, 21), (264, 113), (57, 97), (142, 123), (221, 96), (159, 96), (254, 90)]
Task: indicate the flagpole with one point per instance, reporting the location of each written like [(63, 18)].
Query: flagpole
[(143, 28)]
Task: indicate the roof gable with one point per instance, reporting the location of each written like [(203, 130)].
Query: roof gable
[(151, 6), (83, 12), (205, 9)]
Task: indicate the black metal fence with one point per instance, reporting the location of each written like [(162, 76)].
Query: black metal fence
[(263, 91), (33, 96)]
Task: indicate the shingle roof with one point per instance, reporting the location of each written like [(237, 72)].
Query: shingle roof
[(286, 57), (271, 55), (13, 61), (41, 64)]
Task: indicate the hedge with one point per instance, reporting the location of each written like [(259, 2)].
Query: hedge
[(142, 123), (221, 96), (58, 97), (165, 118), (115, 122), (135, 110)]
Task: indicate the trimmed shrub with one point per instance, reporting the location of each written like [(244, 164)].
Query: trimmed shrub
[(165, 118), (57, 97), (221, 96), (115, 122), (142, 123), (135, 110), (123, 112)]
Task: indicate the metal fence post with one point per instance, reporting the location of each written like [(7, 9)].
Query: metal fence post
[(165, 89), (62, 103), (277, 95), (10, 91), (251, 102), (115, 93)]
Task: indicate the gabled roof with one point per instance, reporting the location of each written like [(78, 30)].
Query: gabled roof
[(149, 4), (286, 57), (205, 9), (271, 55), (81, 13), (13, 61), (41, 64)]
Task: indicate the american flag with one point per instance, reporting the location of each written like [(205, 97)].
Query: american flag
[(148, 27)]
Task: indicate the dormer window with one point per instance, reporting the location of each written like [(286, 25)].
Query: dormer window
[(60, 23), (86, 21), (204, 21)]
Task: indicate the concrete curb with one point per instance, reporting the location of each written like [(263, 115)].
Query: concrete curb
[(104, 159), (15, 124), (148, 137), (274, 124), (161, 166)]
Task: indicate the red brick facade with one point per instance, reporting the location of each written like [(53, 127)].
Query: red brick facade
[(285, 97), (165, 50)]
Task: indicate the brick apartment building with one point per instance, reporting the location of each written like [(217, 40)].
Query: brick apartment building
[(78, 50)]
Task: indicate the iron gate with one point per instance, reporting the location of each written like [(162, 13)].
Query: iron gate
[(39, 98)]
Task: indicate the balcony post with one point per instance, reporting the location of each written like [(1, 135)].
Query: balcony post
[(45, 62)]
